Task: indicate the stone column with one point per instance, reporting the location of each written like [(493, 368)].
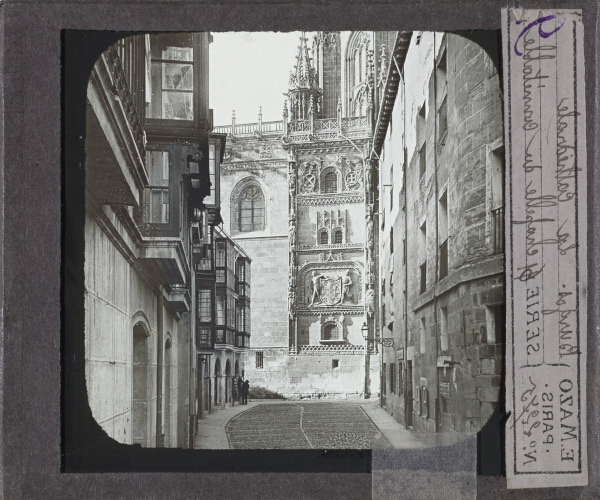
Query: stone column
[(292, 239)]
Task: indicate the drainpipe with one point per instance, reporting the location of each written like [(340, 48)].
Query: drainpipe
[(404, 255), (405, 260), (436, 377), (159, 372)]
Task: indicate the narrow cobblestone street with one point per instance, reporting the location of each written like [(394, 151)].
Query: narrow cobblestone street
[(304, 425)]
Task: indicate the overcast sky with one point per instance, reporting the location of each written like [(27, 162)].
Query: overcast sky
[(248, 70)]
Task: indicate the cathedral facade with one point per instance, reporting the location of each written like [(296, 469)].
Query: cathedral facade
[(302, 203)]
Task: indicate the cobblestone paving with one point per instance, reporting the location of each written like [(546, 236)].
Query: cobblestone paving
[(318, 425)]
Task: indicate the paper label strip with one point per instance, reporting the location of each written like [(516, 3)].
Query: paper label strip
[(546, 281)]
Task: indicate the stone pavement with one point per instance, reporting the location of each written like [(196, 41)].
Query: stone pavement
[(326, 424), (211, 429)]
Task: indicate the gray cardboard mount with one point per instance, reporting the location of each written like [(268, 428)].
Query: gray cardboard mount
[(30, 228)]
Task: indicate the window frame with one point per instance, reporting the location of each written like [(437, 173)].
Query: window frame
[(327, 186), (240, 211)]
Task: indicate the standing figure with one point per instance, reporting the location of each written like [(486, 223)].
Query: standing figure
[(347, 283), (292, 233), (240, 384), (370, 241), (291, 302), (370, 300), (368, 178), (316, 285), (245, 390)]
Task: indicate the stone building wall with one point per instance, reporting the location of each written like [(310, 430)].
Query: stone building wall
[(309, 376), (262, 162), (453, 338), (122, 391)]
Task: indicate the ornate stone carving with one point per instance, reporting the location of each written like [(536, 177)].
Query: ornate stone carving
[(266, 151), (347, 286), (329, 257), (292, 233), (370, 301), (329, 199), (353, 178), (291, 302), (329, 285), (368, 178), (292, 154), (370, 238), (370, 271), (307, 176), (316, 287), (331, 221), (383, 61)]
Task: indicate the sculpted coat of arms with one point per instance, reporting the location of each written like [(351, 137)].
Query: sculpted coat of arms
[(330, 290)]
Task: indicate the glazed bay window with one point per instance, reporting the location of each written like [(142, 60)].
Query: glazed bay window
[(203, 258), (204, 338), (220, 258), (172, 77), (204, 306), (220, 309), (157, 194), (214, 148)]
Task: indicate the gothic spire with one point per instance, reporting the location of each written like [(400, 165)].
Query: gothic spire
[(304, 93), (303, 75)]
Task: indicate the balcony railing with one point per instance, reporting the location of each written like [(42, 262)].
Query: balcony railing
[(250, 128), (498, 230), (295, 126), (444, 259), (354, 122), (299, 126), (325, 125)]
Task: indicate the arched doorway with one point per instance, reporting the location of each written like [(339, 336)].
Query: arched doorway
[(167, 397), (140, 376), (228, 396), (217, 379)]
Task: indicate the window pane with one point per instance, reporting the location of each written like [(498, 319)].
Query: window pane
[(331, 183), (338, 237), (252, 209), (204, 312), (220, 257), (220, 309), (172, 91), (176, 76), (324, 238), (157, 163), (159, 205), (177, 106)]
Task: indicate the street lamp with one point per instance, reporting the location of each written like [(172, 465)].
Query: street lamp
[(384, 341)]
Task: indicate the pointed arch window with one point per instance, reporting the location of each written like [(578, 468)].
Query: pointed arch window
[(252, 209), (331, 182)]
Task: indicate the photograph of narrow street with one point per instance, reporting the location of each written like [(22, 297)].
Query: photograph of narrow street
[(294, 240)]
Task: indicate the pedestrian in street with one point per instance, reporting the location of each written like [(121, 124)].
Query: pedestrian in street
[(245, 389), (240, 383)]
